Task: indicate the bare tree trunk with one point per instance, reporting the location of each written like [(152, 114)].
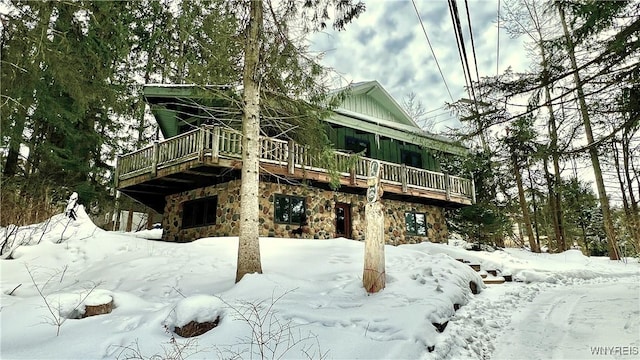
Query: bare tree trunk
[(534, 203), (558, 222), (633, 203), (554, 186), (593, 151), (584, 240), (147, 77), (524, 206), (11, 164), (552, 207), (249, 242)]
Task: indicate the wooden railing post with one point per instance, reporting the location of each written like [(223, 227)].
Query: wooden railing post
[(291, 158), (352, 170), (447, 186), (403, 177), (215, 145), (201, 133), (154, 159)]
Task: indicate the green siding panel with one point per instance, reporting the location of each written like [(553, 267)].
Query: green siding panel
[(388, 149)]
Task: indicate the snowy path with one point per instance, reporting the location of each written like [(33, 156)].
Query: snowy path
[(576, 322), (562, 320)]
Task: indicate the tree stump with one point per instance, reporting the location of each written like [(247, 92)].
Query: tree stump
[(101, 309), (194, 328), (374, 277)]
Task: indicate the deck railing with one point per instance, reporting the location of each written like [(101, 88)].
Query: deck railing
[(216, 142)]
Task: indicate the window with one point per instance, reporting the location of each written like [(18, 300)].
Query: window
[(411, 158), (357, 145), (290, 210), (416, 223), (201, 212)]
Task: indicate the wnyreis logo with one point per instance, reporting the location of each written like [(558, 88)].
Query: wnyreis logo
[(615, 350)]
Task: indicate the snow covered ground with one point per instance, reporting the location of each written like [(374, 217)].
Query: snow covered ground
[(309, 303)]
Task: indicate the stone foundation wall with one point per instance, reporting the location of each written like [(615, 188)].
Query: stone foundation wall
[(320, 205)]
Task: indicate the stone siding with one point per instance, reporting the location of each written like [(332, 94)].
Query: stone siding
[(320, 205)]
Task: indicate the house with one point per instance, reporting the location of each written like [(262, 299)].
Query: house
[(192, 177)]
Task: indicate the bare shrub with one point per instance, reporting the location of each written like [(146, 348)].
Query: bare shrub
[(270, 338), (173, 350)]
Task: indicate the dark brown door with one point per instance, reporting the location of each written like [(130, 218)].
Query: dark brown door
[(343, 220)]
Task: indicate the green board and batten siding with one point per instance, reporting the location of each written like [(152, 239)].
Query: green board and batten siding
[(369, 110), (366, 105), (385, 149)]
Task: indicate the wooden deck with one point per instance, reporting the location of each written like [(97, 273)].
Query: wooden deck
[(208, 154)]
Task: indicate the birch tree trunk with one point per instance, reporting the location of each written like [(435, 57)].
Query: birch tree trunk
[(249, 242), (593, 151)]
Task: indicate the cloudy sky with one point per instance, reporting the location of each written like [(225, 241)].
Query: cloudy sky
[(387, 44)]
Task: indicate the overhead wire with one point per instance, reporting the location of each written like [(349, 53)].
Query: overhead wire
[(473, 45), (424, 30), (498, 42), (458, 29), (459, 46)]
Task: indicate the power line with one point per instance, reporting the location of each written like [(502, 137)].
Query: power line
[(498, 41), (462, 60), (457, 28), (473, 45), (431, 47)]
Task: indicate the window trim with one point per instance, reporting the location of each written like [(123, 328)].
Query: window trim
[(201, 204), (414, 213), (290, 222)]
